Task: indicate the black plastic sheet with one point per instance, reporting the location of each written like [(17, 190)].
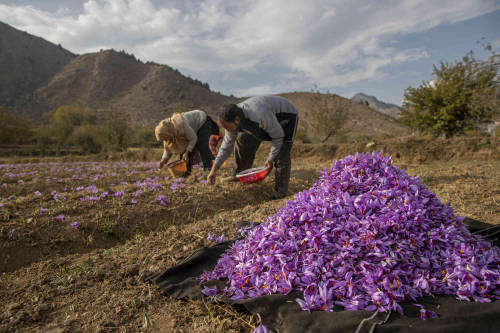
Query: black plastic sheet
[(282, 313)]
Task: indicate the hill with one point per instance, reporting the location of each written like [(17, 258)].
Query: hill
[(362, 120), (26, 62), (41, 77), (111, 80), (389, 109)]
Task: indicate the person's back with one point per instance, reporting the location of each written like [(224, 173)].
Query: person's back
[(260, 104)]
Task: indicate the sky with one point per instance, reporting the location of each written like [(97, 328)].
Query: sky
[(254, 47)]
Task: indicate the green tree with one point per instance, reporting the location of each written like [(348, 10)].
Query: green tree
[(462, 96), (15, 127), (65, 120)]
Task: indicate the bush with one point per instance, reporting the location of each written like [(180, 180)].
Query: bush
[(88, 138), (15, 127), (328, 114), (302, 136), (462, 96)]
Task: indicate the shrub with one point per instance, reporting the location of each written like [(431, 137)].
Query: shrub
[(462, 96)]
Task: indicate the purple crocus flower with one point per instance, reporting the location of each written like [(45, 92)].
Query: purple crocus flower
[(118, 194), (43, 210), (261, 329), (75, 224), (215, 238), (11, 197), (37, 193), (209, 291), (60, 217), (366, 235)]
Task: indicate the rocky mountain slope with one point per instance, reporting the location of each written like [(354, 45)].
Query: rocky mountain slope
[(389, 109), (26, 62)]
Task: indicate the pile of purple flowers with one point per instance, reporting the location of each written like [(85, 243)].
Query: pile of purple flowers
[(365, 236)]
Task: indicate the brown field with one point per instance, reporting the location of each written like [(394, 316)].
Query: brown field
[(58, 278)]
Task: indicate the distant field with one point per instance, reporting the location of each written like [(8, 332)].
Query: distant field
[(133, 219)]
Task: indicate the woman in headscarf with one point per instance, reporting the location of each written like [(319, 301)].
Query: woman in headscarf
[(182, 133)]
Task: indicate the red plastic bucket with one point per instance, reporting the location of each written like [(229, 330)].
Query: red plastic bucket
[(254, 175)]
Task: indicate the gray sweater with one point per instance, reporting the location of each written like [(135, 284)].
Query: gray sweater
[(261, 110), (193, 120)]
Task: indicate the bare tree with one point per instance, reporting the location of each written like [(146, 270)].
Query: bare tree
[(328, 114)]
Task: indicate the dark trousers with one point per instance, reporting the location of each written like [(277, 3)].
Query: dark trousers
[(244, 152), (209, 128)]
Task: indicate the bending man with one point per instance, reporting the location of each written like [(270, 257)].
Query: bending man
[(247, 124)]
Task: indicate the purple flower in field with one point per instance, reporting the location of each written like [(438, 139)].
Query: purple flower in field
[(118, 194), (60, 217), (37, 193), (162, 200), (209, 291), (11, 197), (406, 244), (43, 210), (261, 329), (215, 238), (104, 194), (133, 201), (138, 193), (75, 224), (203, 182), (53, 192), (424, 313), (4, 185), (59, 197), (79, 188), (174, 186)]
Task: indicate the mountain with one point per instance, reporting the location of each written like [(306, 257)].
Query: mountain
[(40, 77), (111, 80), (391, 110), (362, 120), (26, 62)]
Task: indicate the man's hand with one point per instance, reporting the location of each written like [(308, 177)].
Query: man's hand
[(211, 177), (269, 166), (185, 156), (212, 174), (162, 163)]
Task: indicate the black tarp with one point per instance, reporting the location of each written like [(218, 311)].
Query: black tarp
[(281, 313)]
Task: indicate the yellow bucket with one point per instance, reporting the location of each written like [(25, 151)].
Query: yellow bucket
[(177, 168)]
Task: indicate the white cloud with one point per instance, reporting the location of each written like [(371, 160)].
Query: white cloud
[(329, 43)]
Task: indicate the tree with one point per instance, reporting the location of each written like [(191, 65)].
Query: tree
[(462, 96), (328, 114), (65, 119), (15, 127)]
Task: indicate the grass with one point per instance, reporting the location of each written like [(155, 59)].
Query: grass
[(90, 279)]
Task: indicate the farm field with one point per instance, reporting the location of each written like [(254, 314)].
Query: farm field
[(77, 237)]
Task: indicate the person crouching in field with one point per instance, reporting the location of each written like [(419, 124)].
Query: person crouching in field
[(182, 133), (247, 124)]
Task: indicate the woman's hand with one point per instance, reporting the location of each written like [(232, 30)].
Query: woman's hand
[(185, 156)]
